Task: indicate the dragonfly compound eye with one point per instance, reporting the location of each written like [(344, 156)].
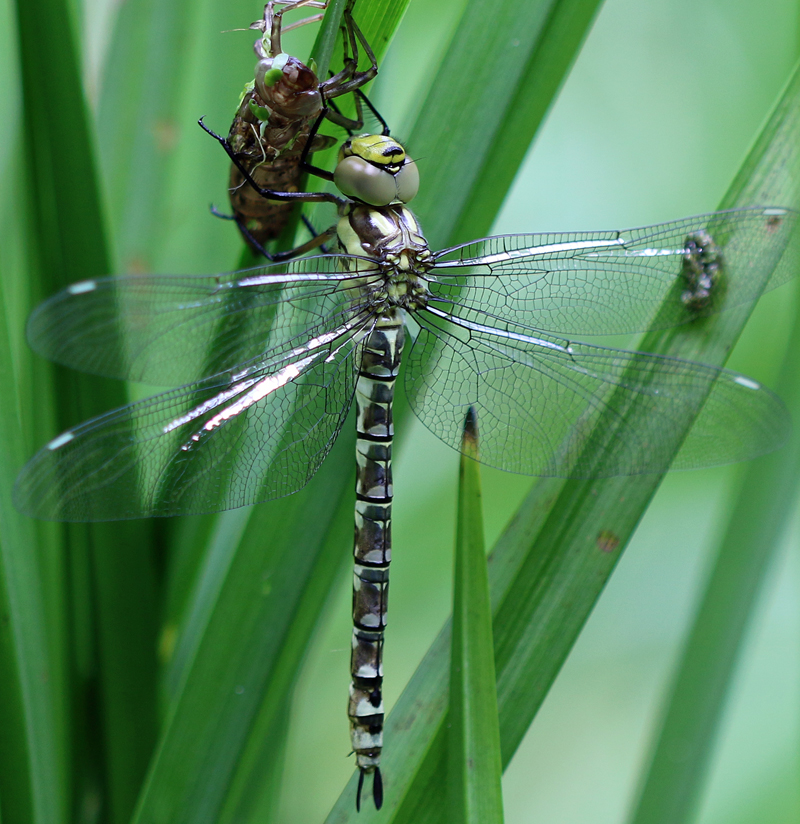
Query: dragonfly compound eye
[(407, 180), (355, 177), (376, 170)]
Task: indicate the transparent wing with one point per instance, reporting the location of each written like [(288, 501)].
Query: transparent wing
[(614, 282), (228, 441), (160, 329), (550, 407)]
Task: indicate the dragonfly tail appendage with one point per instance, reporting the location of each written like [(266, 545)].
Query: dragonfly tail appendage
[(372, 548)]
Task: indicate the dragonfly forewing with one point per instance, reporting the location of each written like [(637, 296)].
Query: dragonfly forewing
[(171, 330), (607, 283)]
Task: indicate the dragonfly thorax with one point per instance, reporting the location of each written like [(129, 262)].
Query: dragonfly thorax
[(391, 237)]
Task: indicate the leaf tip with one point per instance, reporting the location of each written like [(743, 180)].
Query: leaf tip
[(469, 440)]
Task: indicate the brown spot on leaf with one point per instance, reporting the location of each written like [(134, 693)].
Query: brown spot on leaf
[(607, 541), (166, 134)]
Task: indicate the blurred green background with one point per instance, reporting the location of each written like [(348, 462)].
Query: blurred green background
[(651, 124)]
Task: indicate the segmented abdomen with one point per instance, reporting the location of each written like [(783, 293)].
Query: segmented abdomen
[(373, 541)]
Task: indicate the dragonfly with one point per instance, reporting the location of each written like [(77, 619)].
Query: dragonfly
[(276, 113), (266, 363)]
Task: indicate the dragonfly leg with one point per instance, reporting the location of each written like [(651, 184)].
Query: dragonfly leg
[(317, 241), (273, 20), (300, 197), (352, 125), (349, 124), (349, 79), (350, 66), (245, 231), (308, 246), (314, 233), (304, 162), (368, 103)]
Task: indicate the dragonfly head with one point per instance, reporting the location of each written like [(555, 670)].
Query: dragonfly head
[(375, 169)]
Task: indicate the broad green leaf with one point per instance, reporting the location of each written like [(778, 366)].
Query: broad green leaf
[(474, 764), (32, 780), (67, 223)]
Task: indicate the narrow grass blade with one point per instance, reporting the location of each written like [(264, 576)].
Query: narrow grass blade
[(68, 227), (327, 36), (550, 565), (501, 71), (475, 767)]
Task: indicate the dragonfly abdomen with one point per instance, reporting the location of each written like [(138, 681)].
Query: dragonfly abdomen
[(372, 546)]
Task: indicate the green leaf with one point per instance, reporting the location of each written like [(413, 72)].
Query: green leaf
[(474, 763), (328, 36), (68, 243), (550, 565), (31, 770)]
